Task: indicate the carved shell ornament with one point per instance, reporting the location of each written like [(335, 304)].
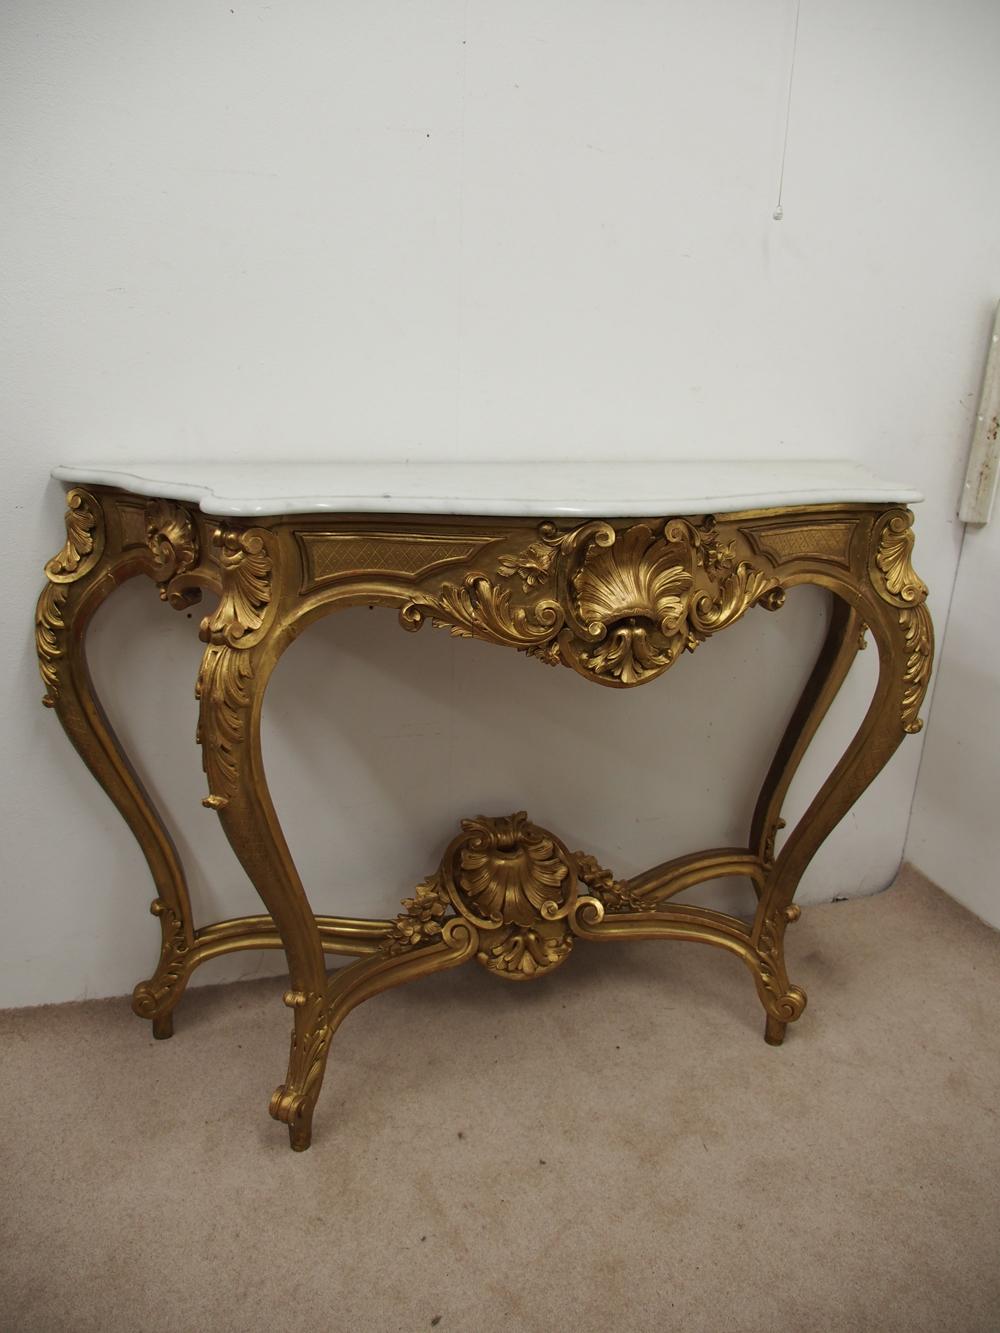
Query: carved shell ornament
[(634, 596), (509, 871), (617, 605), (513, 881)]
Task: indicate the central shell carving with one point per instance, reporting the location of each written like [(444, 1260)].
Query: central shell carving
[(511, 880), (510, 871), (633, 597)]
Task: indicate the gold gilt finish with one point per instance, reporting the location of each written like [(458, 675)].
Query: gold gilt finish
[(616, 601)]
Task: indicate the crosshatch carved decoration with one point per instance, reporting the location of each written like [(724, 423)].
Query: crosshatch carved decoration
[(617, 601)]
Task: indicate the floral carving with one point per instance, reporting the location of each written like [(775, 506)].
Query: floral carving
[(421, 919), (614, 894), (532, 566), (170, 536)]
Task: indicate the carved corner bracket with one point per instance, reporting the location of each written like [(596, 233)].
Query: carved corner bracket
[(617, 604)]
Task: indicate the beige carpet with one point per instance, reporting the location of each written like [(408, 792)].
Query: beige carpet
[(613, 1148)]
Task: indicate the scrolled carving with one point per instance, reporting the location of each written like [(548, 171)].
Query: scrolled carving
[(510, 881), (898, 583), (785, 1001), (246, 570), (173, 542), (478, 608), (226, 671), (292, 1101), (633, 596), (619, 605), (78, 555), (84, 539), (150, 997)]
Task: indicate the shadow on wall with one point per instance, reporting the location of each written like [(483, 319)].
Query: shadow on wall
[(378, 742)]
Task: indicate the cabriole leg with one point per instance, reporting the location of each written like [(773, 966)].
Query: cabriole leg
[(90, 566), (245, 638), (889, 598)]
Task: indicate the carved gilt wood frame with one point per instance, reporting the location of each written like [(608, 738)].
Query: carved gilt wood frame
[(617, 601)]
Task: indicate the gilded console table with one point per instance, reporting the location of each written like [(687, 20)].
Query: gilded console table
[(611, 570)]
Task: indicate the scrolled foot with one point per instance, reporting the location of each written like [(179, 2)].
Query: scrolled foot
[(296, 1111)]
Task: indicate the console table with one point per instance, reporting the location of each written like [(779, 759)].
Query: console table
[(612, 570)]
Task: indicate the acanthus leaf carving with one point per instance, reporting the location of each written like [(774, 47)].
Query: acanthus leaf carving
[(79, 554), (84, 539), (149, 997), (895, 546), (227, 667), (899, 584), (619, 605)]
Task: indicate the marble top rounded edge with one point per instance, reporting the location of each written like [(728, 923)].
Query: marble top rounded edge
[(531, 490)]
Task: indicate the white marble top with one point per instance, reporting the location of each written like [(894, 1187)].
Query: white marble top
[(537, 490)]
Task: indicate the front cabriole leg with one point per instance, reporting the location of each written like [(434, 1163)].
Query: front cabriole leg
[(888, 596), (245, 636), (111, 538)]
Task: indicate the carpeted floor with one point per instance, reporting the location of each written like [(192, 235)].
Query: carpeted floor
[(614, 1148)]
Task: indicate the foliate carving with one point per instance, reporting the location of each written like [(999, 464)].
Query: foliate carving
[(80, 552), (899, 584), (787, 1002), (293, 1100), (84, 539), (172, 540), (617, 605), (895, 546), (150, 997), (49, 630), (245, 567), (224, 680), (479, 608), (918, 637)]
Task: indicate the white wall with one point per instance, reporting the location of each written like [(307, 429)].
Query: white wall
[(955, 830), (440, 229)]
